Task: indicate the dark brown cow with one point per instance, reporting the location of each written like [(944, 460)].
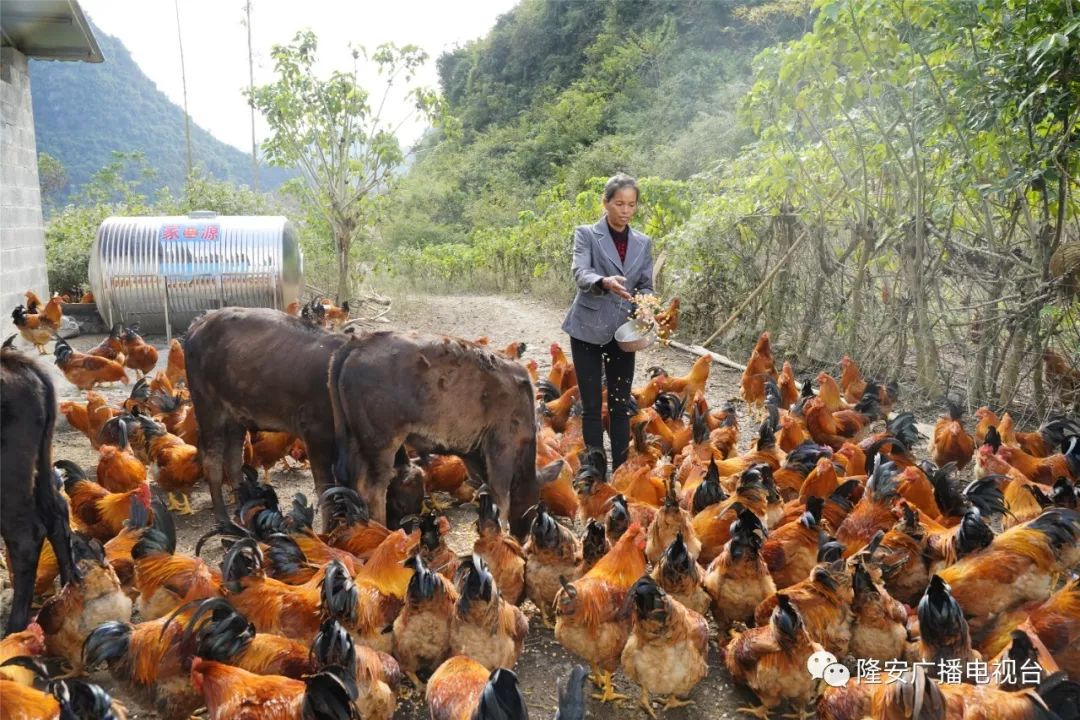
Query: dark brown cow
[(255, 368), (440, 395), (32, 507)]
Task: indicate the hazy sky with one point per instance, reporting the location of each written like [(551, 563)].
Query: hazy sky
[(215, 45)]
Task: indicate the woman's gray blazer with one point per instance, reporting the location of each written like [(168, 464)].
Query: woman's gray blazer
[(596, 313)]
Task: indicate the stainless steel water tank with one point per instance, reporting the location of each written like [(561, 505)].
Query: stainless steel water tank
[(162, 272)]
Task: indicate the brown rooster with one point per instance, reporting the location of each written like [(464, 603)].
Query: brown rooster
[(485, 627), (738, 580), (589, 622), (37, 327), (500, 550), (950, 442), (86, 371), (140, 356), (771, 659), (757, 369)]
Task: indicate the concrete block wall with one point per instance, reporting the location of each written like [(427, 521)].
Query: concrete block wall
[(22, 231)]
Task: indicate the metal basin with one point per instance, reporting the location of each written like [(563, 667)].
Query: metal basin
[(634, 335)]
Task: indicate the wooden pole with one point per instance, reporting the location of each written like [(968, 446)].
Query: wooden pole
[(251, 88), (756, 291), (183, 80)]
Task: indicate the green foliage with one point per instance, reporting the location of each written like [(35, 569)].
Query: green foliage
[(540, 245), (330, 128), (921, 152), (52, 177), (557, 97)]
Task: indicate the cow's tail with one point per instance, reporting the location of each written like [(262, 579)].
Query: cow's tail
[(344, 468), (43, 481), (51, 505)]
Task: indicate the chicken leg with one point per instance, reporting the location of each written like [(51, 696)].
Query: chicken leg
[(603, 679), (415, 680), (172, 504), (674, 702), (646, 704), (185, 505), (759, 712)]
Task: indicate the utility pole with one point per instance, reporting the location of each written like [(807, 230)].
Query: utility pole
[(251, 88), (183, 80)]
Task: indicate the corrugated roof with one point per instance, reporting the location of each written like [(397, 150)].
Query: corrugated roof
[(48, 30)]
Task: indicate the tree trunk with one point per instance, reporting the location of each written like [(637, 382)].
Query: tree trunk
[(866, 239), (1014, 353), (977, 387), (813, 310), (926, 354), (781, 292), (901, 336), (343, 241), (1041, 403)]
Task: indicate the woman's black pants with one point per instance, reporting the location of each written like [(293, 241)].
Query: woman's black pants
[(592, 363)]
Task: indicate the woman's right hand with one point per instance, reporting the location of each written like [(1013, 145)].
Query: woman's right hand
[(616, 284)]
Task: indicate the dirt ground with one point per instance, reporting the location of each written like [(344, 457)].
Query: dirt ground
[(544, 664)]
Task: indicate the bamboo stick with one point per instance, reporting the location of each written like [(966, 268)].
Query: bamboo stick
[(757, 291)]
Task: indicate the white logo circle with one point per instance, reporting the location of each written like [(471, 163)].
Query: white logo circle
[(836, 675), (820, 660)]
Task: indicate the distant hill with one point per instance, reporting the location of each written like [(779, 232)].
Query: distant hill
[(83, 112)]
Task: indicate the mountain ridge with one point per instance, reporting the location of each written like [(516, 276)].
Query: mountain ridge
[(83, 112)]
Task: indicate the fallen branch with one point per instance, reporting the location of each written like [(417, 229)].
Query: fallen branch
[(698, 350), (376, 318)]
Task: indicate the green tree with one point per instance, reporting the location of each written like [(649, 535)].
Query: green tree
[(52, 177), (329, 128), (70, 233)]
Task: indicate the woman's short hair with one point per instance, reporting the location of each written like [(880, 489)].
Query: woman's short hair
[(616, 183)]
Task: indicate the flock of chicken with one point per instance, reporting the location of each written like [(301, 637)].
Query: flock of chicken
[(826, 535)]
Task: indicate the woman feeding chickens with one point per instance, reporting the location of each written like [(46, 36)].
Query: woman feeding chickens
[(612, 264)]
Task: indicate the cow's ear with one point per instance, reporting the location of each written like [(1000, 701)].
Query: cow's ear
[(550, 472)]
